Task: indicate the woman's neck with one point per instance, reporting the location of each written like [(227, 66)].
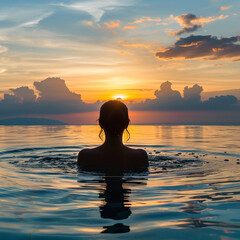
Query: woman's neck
[(113, 140)]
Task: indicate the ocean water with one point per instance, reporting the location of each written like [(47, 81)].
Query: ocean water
[(191, 190)]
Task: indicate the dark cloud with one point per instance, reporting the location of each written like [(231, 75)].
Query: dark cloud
[(220, 102), (205, 47), (187, 21), (55, 89), (193, 93), (168, 99), (166, 92), (24, 94), (54, 97), (191, 22)]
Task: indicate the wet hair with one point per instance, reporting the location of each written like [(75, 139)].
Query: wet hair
[(114, 118)]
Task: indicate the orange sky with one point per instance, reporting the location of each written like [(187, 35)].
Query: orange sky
[(102, 49)]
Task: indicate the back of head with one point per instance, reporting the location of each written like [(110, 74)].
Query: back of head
[(114, 117)]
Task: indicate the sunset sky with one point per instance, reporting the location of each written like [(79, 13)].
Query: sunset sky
[(107, 48)]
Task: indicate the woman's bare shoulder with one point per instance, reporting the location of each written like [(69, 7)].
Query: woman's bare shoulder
[(138, 151), (140, 155), (86, 154)]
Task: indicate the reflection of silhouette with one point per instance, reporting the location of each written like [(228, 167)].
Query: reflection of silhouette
[(116, 204), (116, 228), (114, 192)]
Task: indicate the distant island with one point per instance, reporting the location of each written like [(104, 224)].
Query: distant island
[(31, 121)]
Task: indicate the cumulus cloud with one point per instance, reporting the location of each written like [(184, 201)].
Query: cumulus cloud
[(191, 22), (204, 47), (55, 89), (24, 94), (193, 93), (54, 98), (166, 93), (169, 99)]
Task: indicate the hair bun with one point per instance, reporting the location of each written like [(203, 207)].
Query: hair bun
[(114, 116)]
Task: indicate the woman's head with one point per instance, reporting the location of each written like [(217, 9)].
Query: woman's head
[(114, 117)]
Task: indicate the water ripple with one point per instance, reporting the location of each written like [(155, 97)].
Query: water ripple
[(44, 194)]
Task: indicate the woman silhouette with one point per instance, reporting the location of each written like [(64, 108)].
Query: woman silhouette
[(113, 154)]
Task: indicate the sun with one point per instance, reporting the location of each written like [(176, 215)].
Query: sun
[(119, 96)]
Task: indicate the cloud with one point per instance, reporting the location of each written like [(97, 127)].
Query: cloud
[(36, 21), (173, 65), (89, 23), (171, 100), (55, 89), (236, 60), (24, 94), (191, 22), (223, 8), (221, 102), (186, 20), (146, 19), (136, 45), (193, 93), (54, 98), (132, 25), (112, 24), (125, 53), (202, 47), (211, 19), (129, 27), (116, 24), (109, 25), (219, 65), (98, 8), (17, 103), (23, 14), (166, 93), (3, 49)]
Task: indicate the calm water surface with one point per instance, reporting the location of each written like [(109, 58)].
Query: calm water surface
[(191, 191)]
